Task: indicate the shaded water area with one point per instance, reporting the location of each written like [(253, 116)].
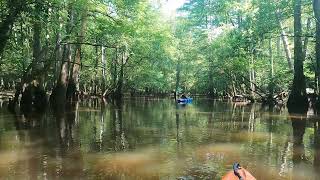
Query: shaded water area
[(158, 139)]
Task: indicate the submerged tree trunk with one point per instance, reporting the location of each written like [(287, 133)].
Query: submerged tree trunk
[(33, 93), (297, 101), (59, 93)]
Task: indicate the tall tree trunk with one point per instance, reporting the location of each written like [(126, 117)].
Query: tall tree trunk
[(58, 54), (316, 9), (252, 75), (15, 9), (103, 71), (234, 90), (178, 71), (306, 39), (38, 85), (278, 46), (33, 92), (59, 93), (94, 76), (285, 43), (118, 94), (114, 69), (271, 84), (36, 38), (211, 87), (297, 102), (73, 85)]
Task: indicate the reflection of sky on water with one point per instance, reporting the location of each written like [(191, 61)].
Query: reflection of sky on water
[(155, 139)]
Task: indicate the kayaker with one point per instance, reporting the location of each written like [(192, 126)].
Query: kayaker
[(183, 96), (238, 173)]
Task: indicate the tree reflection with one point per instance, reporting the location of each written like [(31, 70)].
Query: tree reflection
[(29, 131), (252, 119), (298, 130), (65, 120), (316, 161), (68, 146), (298, 122), (177, 125), (118, 132)]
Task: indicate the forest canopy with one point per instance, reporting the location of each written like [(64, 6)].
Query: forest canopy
[(216, 48)]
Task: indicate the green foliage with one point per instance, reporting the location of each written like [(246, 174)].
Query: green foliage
[(217, 44)]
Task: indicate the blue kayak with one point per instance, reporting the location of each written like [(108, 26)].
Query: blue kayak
[(184, 100)]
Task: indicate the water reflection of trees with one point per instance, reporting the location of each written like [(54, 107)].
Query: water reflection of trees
[(136, 124), (118, 134), (68, 144), (299, 160), (48, 144), (298, 130), (316, 160), (30, 135)]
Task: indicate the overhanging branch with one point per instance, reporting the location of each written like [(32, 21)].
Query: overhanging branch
[(89, 44)]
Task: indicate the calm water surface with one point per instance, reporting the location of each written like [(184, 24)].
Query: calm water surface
[(157, 139)]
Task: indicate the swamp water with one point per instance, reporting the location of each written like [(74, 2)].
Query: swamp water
[(158, 139)]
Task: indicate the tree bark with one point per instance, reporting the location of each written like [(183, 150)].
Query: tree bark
[(211, 86), (278, 46), (103, 61), (59, 93), (39, 93), (234, 90), (33, 93), (94, 77), (73, 85), (178, 70), (306, 39), (36, 38), (297, 102), (58, 54), (118, 93), (271, 84), (114, 68), (252, 75), (285, 42)]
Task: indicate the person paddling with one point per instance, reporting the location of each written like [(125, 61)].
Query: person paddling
[(183, 96), (238, 173)]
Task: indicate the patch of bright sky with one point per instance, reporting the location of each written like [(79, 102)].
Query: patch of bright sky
[(169, 7)]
